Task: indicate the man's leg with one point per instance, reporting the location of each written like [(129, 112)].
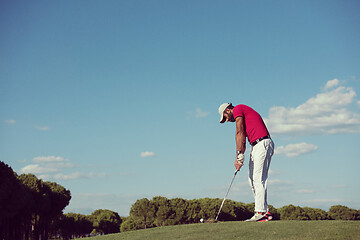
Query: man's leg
[(251, 173), (258, 172)]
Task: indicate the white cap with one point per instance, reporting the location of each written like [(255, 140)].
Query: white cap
[(221, 111)]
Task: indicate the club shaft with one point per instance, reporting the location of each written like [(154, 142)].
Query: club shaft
[(226, 195)]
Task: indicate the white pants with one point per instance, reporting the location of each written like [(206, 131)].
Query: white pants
[(260, 158)]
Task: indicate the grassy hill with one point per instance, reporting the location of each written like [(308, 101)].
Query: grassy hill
[(275, 230)]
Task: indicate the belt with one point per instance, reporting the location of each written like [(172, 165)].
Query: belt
[(258, 140)]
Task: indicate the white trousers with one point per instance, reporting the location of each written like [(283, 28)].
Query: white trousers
[(260, 158)]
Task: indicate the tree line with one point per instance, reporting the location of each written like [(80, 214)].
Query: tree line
[(33, 209), (29, 207), (160, 211)]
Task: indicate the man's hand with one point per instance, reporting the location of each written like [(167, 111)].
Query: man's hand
[(239, 161)]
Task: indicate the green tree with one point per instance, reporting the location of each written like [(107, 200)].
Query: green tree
[(316, 213), (75, 224), (251, 208), (209, 207), (229, 212), (193, 210), (241, 211), (66, 226), (106, 221), (164, 214), (179, 207), (14, 200), (274, 212), (339, 212), (29, 207), (59, 198), (292, 212), (41, 205), (128, 224), (49, 200), (143, 213)]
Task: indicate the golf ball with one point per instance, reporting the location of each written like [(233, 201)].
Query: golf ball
[(202, 220)]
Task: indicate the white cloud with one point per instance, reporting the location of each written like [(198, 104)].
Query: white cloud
[(200, 113), (147, 154), (53, 162), (77, 175), (50, 159), (293, 150), (42, 128), (10, 121), (53, 167), (304, 191), (38, 169), (332, 83), (44, 176), (326, 113)]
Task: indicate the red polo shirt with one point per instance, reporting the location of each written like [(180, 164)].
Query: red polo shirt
[(254, 124)]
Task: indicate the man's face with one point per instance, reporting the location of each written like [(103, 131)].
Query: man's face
[(229, 117)]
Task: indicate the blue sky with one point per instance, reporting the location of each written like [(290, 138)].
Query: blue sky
[(118, 100)]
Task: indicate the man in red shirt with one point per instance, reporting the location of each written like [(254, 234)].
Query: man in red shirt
[(250, 125)]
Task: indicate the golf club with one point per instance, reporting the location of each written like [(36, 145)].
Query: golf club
[(226, 195)]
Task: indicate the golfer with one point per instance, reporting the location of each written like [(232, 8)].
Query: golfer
[(250, 124)]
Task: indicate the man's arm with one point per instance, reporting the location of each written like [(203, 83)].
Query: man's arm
[(240, 135), (240, 138)]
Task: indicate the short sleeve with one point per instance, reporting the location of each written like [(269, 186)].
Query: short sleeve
[(238, 111)]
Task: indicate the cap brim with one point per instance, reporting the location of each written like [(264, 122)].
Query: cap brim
[(222, 120)]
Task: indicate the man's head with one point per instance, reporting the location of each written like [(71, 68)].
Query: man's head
[(226, 114)]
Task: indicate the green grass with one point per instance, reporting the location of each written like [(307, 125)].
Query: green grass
[(275, 230)]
